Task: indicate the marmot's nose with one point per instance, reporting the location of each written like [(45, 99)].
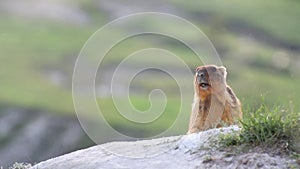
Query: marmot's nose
[(201, 74)]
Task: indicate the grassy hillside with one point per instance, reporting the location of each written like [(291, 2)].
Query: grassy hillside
[(276, 18), (38, 55)]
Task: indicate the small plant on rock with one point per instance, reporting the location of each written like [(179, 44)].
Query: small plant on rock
[(267, 127), (20, 166)]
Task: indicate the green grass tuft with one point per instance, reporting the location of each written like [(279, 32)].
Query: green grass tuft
[(267, 127), (21, 166)]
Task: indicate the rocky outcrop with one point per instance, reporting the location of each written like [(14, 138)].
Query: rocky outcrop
[(193, 151)]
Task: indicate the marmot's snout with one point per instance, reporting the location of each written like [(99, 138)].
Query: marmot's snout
[(202, 79)]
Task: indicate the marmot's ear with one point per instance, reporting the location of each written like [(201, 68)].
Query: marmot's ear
[(222, 69), (198, 68)]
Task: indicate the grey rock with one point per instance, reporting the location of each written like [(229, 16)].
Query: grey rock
[(193, 151)]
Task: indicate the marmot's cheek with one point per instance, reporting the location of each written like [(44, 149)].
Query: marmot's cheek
[(198, 79), (218, 80)]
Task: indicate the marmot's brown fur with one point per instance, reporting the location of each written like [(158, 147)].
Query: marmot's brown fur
[(214, 101)]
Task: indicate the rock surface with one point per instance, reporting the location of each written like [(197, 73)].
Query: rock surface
[(195, 151)]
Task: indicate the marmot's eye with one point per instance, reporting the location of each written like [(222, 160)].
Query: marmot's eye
[(213, 69)]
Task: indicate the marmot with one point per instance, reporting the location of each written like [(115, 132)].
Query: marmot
[(214, 101)]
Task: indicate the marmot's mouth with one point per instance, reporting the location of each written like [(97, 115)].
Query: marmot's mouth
[(204, 85)]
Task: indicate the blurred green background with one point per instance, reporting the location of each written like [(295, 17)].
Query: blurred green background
[(258, 42)]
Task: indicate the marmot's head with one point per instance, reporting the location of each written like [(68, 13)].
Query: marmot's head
[(210, 79)]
